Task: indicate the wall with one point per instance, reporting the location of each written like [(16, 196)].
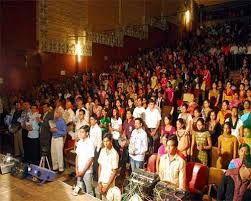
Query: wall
[(53, 63), (18, 37)]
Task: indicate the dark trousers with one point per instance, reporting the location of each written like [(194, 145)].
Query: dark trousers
[(32, 154), (123, 161), (153, 142), (95, 165), (25, 139)]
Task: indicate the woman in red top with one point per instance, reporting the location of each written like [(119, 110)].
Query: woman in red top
[(228, 92), (169, 94), (207, 77)]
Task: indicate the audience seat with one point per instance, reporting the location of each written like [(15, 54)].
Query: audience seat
[(215, 177), (166, 110), (214, 156), (151, 164), (196, 177)]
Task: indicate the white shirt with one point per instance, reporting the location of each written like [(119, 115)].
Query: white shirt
[(116, 123), (69, 115), (188, 118), (108, 161), (96, 136), (139, 112), (84, 151), (235, 131), (138, 145), (173, 171), (78, 125), (152, 117), (86, 114)]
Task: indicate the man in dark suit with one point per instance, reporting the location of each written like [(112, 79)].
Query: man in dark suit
[(45, 134)]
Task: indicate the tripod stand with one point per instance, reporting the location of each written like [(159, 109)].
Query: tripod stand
[(44, 161)]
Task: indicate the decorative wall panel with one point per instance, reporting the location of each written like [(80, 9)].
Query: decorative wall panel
[(60, 24)]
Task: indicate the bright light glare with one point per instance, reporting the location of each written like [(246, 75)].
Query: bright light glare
[(187, 16), (78, 51)]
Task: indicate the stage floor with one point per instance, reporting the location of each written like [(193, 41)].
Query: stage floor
[(14, 189)]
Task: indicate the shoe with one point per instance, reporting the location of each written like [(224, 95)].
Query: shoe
[(76, 191)]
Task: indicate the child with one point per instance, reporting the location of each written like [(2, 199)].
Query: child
[(227, 147), (84, 160)]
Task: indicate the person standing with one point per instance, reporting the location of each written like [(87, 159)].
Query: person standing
[(32, 144), (201, 143), (45, 133), (138, 145), (152, 119), (128, 127), (84, 161), (59, 130), (172, 168), (227, 147), (15, 128), (235, 184), (96, 138), (108, 164)]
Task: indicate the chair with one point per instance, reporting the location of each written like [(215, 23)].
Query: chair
[(214, 155), (151, 164), (215, 177), (197, 177)]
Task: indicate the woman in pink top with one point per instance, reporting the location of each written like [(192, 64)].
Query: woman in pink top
[(161, 151), (163, 81), (167, 129)]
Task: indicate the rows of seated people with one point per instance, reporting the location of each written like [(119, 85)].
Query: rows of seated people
[(175, 102)]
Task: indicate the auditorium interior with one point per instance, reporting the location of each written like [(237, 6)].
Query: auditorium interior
[(125, 100)]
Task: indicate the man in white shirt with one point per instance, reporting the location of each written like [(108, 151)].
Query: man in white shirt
[(172, 168), (80, 122), (108, 164), (138, 145), (69, 115), (139, 111), (96, 138), (80, 106), (152, 119), (84, 160)]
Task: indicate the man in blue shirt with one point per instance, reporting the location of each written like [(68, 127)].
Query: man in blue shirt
[(59, 130)]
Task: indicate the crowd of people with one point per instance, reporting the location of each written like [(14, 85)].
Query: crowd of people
[(176, 101)]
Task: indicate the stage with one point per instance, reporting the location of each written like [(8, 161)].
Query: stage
[(14, 189)]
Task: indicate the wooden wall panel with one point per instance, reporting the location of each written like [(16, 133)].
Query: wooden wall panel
[(103, 15), (18, 35), (153, 8), (66, 18), (132, 11)]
